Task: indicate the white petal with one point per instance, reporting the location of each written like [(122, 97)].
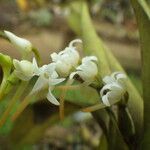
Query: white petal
[(89, 58), (87, 71), (21, 76), (52, 99), (72, 75), (80, 68), (63, 69), (74, 41), (54, 57), (121, 76), (106, 87), (108, 80), (118, 75), (24, 67), (113, 86), (105, 100), (55, 81), (86, 77), (54, 75), (34, 62), (114, 96), (50, 68), (40, 83)]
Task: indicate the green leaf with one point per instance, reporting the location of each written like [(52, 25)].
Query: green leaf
[(83, 26), (94, 45), (145, 5), (144, 31), (6, 64), (81, 96), (103, 143)]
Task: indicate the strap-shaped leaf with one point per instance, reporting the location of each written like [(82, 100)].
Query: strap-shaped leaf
[(87, 32), (144, 31), (146, 7)]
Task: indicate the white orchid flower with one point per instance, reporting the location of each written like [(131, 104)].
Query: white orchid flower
[(23, 45), (87, 70), (67, 59), (48, 77), (24, 69), (112, 93), (114, 88)]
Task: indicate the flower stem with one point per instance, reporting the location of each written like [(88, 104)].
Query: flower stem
[(23, 105), (62, 100), (68, 87), (93, 108), (2, 88), (17, 95)]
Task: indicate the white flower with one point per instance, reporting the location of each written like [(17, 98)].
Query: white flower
[(48, 77), (87, 70), (114, 88), (24, 69), (112, 93), (67, 59), (23, 45)]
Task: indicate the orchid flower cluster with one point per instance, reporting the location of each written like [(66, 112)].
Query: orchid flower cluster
[(66, 64)]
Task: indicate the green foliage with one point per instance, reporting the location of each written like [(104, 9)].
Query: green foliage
[(81, 96), (145, 5), (142, 14), (93, 45)]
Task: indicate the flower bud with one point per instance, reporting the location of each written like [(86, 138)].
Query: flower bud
[(24, 69), (23, 45)]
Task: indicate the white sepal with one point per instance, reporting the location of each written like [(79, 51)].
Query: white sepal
[(52, 98)]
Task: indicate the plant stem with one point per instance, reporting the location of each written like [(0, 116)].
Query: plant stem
[(93, 108), (62, 100), (17, 95), (2, 88), (23, 105)]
